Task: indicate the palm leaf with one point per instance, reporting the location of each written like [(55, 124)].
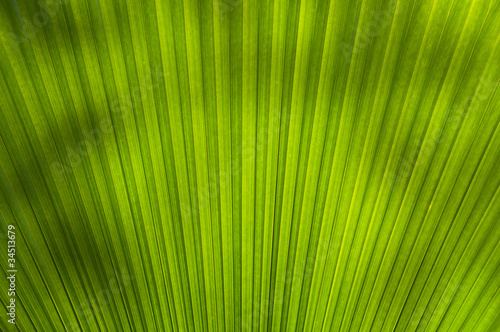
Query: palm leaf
[(230, 165)]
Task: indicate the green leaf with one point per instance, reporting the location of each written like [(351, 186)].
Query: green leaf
[(237, 165)]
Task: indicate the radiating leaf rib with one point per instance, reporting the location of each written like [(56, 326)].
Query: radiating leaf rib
[(248, 152)]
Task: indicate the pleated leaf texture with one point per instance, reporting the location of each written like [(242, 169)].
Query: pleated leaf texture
[(250, 165)]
